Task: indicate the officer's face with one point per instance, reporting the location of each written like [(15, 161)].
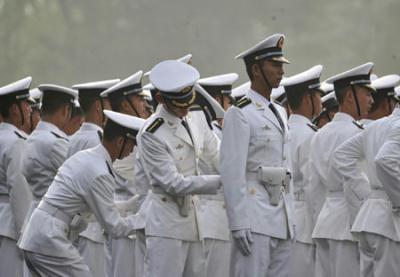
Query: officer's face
[(224, 100), (177, 111), (365, 100), (139, 104), (273, 71), (316, 98)]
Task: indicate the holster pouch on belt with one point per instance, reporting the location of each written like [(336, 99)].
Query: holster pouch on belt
[(275, 180), (183, 205), (78, 224)]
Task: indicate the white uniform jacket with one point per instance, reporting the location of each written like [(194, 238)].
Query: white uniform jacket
[(88, 136), (388, 167), (169, 159), (46, 150), (251, 138), (375, 215), (84, 184), (333, 221), (15, 195), (301, 132)]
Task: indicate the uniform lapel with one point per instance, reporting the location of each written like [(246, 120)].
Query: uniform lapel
[(175, 123), (268, 114)]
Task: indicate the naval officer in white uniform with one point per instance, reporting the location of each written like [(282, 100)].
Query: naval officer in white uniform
[(169, 147), (375, 223), (303, 96), (337, 252), (254, 169), (15, 195), (84, 185)]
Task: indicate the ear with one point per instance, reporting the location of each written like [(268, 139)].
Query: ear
[(255, 69), (97, 105), (119, 141), (159, 98)]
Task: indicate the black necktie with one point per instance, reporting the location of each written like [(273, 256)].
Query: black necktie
[(187, 128), (276, 113)]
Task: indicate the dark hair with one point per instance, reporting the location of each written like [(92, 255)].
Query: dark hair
[(52, 102), (340, 94), (379, 98), (5, 104), (249, 70), (116, 102), (112, 131), (88, 101), (295, 98)]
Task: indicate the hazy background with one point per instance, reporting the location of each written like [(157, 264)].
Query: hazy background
[(72, 41)]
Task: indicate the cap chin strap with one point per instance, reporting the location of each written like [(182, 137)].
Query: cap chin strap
[(356, 99), (390, 105), (312, 106), (20, 112), (31, 121), (122, 149), (264, 77), (132, 106), (103, 117)]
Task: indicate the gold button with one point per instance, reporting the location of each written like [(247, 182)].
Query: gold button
[(252, 191)]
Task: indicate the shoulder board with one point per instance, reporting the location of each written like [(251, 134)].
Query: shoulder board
[(313, 127), (359, 125), (155, 125), (195, 108), (110, 170), (19, 135), (100, 134), (243, 102), (58, 136)]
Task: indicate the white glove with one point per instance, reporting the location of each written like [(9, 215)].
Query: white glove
[(129, 206), (243, 239)]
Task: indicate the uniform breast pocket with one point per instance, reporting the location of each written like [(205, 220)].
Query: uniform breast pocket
[(266, 133)]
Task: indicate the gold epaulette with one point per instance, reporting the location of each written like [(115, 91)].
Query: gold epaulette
[(155, 125)]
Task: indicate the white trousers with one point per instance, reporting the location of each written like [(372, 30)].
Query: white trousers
[(11, 263), (269, 258), (173, 258), (93, 255), (43, 265), (217, 256), (379, 256), (302, 260), (122, 263), (336, 258), (140, 251)]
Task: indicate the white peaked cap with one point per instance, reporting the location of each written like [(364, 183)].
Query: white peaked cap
[(35, 93), (97, 85), (185, 59), (219, 80), (173, 76), (327, 97), (326, 88), (149, 86), (20, 88), (359, 75), (124, 120), (269, 48), (308, 79), (386, 82), (241, 90), (58, 89), (212, 103), (130, 85)]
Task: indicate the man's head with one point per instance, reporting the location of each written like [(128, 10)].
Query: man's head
[(175, 82), (126, 96), (120, 133), (303, 92), (14, 102), (264, 63), (91, 102), (76, 120), (57, 104), (353, 90), (220, 87), (329, 108), (384, 96)]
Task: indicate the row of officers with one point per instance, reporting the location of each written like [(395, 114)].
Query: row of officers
[(187, 177)]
